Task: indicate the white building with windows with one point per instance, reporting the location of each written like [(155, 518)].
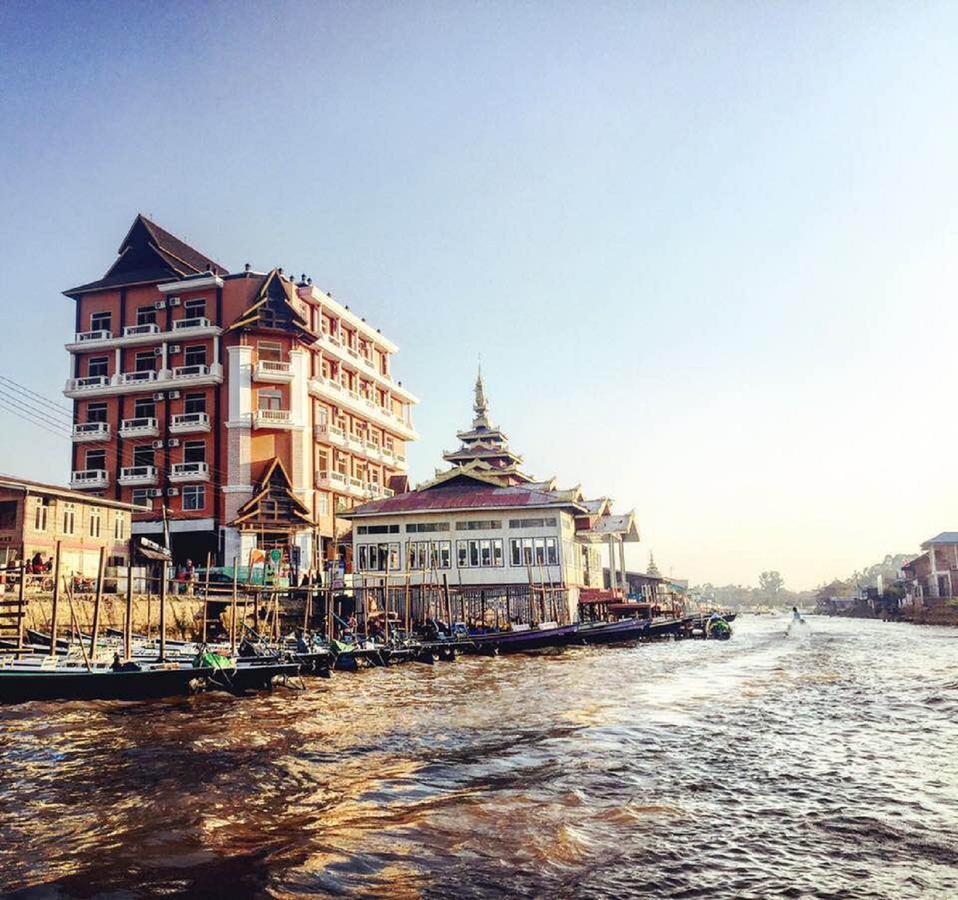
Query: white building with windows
[(485, 524)]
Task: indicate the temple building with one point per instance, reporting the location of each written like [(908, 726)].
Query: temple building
[(233, 410), (484, 524)]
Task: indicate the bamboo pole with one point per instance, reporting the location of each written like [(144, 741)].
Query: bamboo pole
[(128, 623), (206, 594), (307, 604), (76, 625), (22, 597), (56, 599), (233, 613), (98, 597), (163, 580)]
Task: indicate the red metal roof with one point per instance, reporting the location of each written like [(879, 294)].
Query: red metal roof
[(459, 495)]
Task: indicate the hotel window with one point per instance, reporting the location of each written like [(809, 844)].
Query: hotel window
[(515, 552), (146, 361), (479, 554), (194, 403), (479, 525), (540, 551), (144, 409), (194, 307), (119, 527), (100, 321), (427, 526), (95, 523), (143, 455), (146, 315), (269, 399), (342, 463), (98, 365), (194, 497), (8, 514), (69, 518), (552, 551), (194, 451), (323, 504), (270, 350), (142, 497), (322, 464), (195, 355), (96, 412), (377, 529), (96, 459), (42, 511)]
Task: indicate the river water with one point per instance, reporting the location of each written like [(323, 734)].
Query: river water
[(822, 764)]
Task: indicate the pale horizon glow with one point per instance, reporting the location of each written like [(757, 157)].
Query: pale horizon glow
[(707, 252)]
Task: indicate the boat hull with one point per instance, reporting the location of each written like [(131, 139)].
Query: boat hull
[(20, 686)]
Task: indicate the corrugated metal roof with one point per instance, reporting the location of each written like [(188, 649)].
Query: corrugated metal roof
[(460, 496), (946, 537)]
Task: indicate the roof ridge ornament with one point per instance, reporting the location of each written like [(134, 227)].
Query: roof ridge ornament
[(480, 405)]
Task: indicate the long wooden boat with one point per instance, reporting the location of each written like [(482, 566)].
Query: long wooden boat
[(623, 630), (21, 684), (521, 639)]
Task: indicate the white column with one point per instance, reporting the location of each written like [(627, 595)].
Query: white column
[(240, 383), (165, 361), (611, 565), (216, 350), (625, 580), (116, 366)]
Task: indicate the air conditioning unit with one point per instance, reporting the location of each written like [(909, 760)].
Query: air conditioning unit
[(175, 348), (174, 301), (172, 492), (157, 351), (154, 492), (174, 395), (173, 442), (160, 304), (158, 396), (157, 445)]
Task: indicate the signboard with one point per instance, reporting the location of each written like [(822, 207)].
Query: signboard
[(152, 550)]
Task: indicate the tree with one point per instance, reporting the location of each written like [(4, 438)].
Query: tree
[(771, 583)]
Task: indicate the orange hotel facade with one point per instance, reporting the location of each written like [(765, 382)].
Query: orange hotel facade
[(246, 409)]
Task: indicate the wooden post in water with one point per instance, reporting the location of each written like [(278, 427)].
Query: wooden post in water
[(56, 600), (233, 611), (98, 597), (128, 623), (308, 602), (206, 594), (22, 598), (163, 580), (76, 624), (445, 592)]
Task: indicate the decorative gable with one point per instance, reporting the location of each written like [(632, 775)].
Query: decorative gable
[(274, 506)]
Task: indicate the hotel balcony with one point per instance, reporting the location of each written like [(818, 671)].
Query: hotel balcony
[(190, 471), (332, 434), (148, 333), (138, 382), (333, 391), (272, 418), (136, 476), (89, 478), (360, 363), (142, 427), (91, 431), (273, 371), (349, 484), (186, 423)]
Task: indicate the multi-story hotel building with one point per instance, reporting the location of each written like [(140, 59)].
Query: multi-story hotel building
[(241, 410)]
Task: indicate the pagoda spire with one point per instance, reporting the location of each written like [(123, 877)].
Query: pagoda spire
[(653, 569), (480, 405)]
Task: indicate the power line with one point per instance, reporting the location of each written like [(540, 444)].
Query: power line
[(56, 407)]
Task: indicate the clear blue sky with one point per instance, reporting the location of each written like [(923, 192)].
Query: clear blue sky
[(707, 251)]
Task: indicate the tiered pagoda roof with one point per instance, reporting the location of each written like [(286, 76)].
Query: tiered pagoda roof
[(486, 446)]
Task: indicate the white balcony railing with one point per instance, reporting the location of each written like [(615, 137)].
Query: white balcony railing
[(89, 478), (186, 372), (190, 471), (145, 328), (143, 426), (272, 418), (330, 434), (182, 423), (89, 382), (273, 370), (91, 431), (82, 337), (194, 322), (132, 475), (137, 377)]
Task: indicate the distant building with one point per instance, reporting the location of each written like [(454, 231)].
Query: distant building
[(486, 524), (35, 517), (248, 409), (934, 574)]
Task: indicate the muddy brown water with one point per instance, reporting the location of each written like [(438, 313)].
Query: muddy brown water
[(824, 764)]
